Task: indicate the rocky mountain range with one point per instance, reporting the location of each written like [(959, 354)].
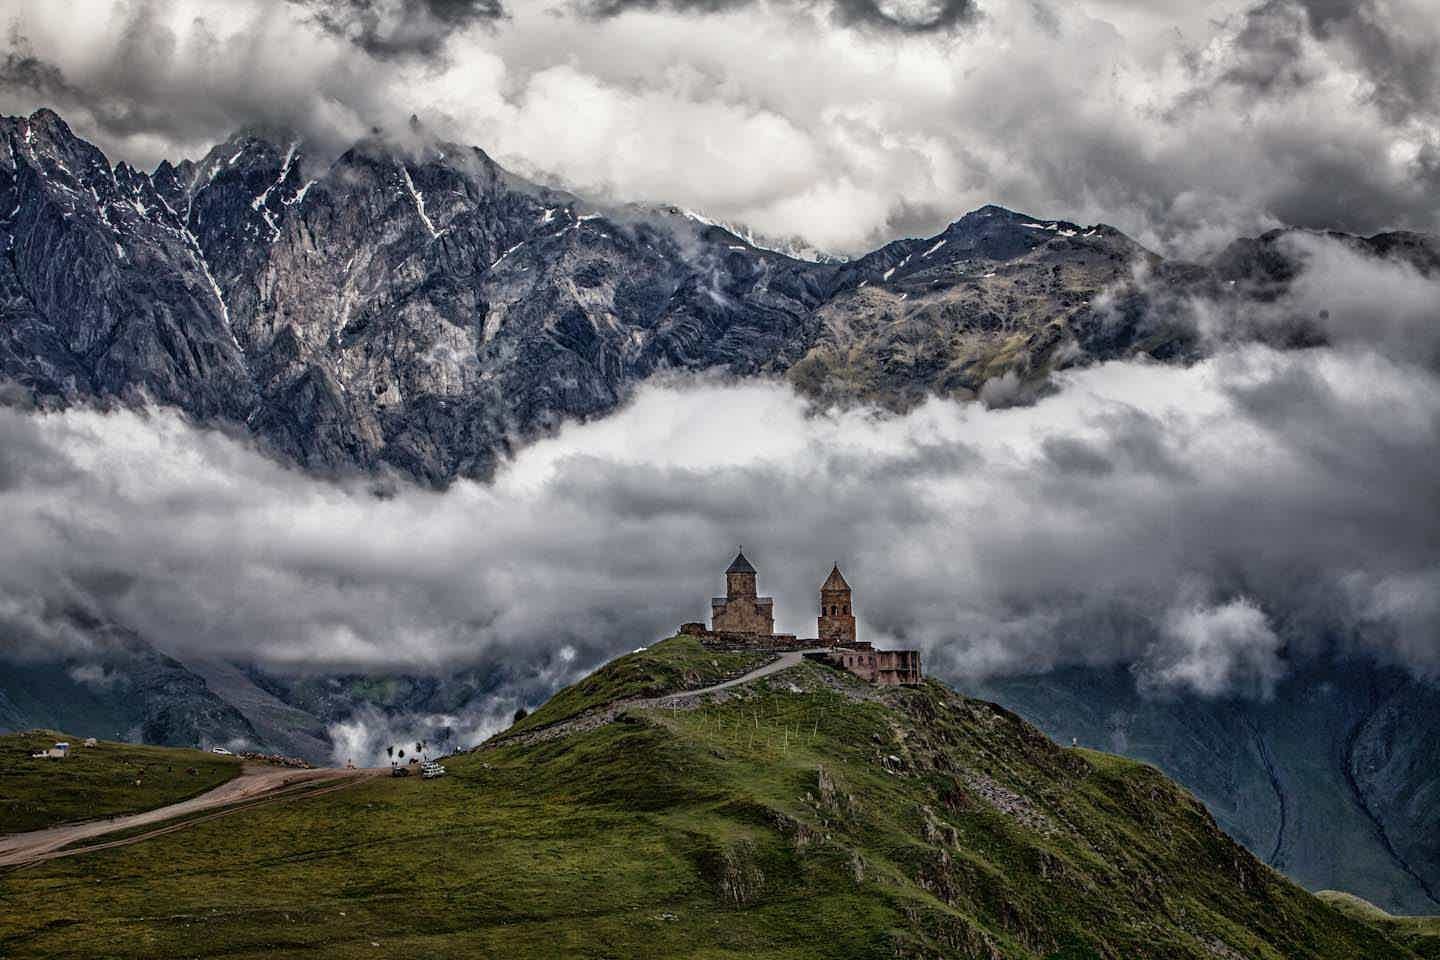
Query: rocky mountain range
[(413, 306)]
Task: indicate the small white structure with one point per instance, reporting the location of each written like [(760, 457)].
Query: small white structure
[(91, 742), (60, 751), (431, 769)]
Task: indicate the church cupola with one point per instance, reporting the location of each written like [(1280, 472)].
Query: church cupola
[(740, 578)]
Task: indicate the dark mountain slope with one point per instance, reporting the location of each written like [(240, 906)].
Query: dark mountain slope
[(119, 688), (1334, 780), (997, 292), (425, 310)]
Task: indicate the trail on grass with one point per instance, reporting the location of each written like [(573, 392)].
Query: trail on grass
[(683, 699), (256, 785)]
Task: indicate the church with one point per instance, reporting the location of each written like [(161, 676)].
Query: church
[(742, 619)]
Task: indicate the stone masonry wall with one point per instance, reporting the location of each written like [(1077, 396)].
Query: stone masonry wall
[(743, 615)]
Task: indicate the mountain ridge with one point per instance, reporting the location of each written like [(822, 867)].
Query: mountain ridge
[(426, 312)]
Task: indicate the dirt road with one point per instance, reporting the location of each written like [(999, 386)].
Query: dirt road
[(255, 785)]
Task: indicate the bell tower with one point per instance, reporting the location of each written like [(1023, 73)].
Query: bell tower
[(837, 621)]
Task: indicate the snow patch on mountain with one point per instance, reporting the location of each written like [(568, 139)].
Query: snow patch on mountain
[(794, 248)]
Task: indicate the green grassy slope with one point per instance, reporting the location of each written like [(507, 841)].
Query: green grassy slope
[(1420, 934), (97, 781), (835, 822), (679, 663)]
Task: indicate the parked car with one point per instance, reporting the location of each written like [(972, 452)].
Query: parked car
[(221, 751)]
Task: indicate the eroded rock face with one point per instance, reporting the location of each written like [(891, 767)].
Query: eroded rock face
[(425, 311)]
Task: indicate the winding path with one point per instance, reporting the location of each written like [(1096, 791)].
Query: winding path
[(600, 716), (783, 662), (254, 786)]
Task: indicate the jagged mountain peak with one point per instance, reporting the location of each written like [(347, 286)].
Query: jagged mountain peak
[(1001, 234), (44, 139), (44, 122)]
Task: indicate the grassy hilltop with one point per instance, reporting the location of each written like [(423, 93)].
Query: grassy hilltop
[(805, 815)]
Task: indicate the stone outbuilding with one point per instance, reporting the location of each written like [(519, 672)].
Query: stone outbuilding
[(885, 668)]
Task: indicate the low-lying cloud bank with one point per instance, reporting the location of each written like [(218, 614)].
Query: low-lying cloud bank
[(1205, 524), (363, 738)]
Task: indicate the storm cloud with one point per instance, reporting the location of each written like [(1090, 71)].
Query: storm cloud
[(398, 28), (1183, 124), (906, 16)]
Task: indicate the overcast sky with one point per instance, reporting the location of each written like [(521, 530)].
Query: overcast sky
[(845, 122)]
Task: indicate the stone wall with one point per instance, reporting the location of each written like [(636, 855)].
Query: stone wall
[(740, 585), (836, 628), (742, 615), (727, 640)]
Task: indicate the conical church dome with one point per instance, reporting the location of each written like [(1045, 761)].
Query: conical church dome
[(740, 564)]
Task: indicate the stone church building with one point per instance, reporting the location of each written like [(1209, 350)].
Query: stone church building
[(740, 610), (742, 619)]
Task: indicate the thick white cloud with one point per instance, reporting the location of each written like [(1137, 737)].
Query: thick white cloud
[(1185, 520), (1215, 650), (1179, 123)]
